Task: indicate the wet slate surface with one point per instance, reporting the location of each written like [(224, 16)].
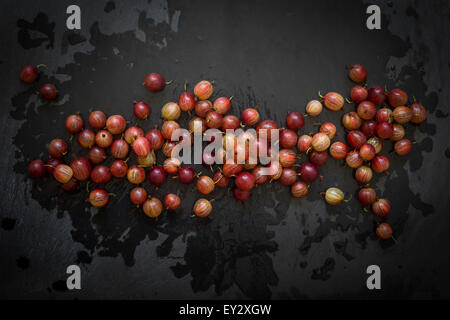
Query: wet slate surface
[(276, 56)]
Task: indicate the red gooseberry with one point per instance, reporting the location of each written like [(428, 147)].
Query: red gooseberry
[(203, 89), (308, 172), (357, 73), (135, 174), (295, 121), (171, 165), (51, 165), (74, 123), (37, 168), (119, 149), (48, 92), (356, 139), (367, 152), (220, 180), (377, 95), (97, 155), (381, 207), (119, 168), (63, 173), (333, 101), (132, 133), (214, 119), (385, 115), (155, 139), (338, 150), (141, 146), (358, 94), (205, 184), (380, 163), (397, 98), (398, 133), (351, 121), (419, 113), (230, 122), (86, 138), (138, 196), (267, 128), (202, 107), (353, 160), (98, 198), (250, 116), (319, 158), (402, 147), (186, 101), (172, 201), (363, 175), (329, 129), (241, 195), (384, 231), (320, 141), (141, 110), (245, 181), (366, 110), (103, 138), (29, 74), (152, 207), (154, 82), (385, 130), (186, 175), (171, 111), (288, 138), (81, 168), (100, 174), (288, 176), (58, 148), (97, 120), (402, 114), (304, 144), (116, 124), (299, 189), (314, 108), (222, 105), (367, 196), (157, 176), (202, 208), (369, 128)]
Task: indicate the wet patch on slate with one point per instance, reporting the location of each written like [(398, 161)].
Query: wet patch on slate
[(341, 248), (23, 263), (441, 114), (412, 13), (34, 34), (324, 272), (8, 224), (71, 38), (84, 257), (110, 6), (59, 285)]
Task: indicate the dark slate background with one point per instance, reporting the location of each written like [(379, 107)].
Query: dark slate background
[(276, 54)]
